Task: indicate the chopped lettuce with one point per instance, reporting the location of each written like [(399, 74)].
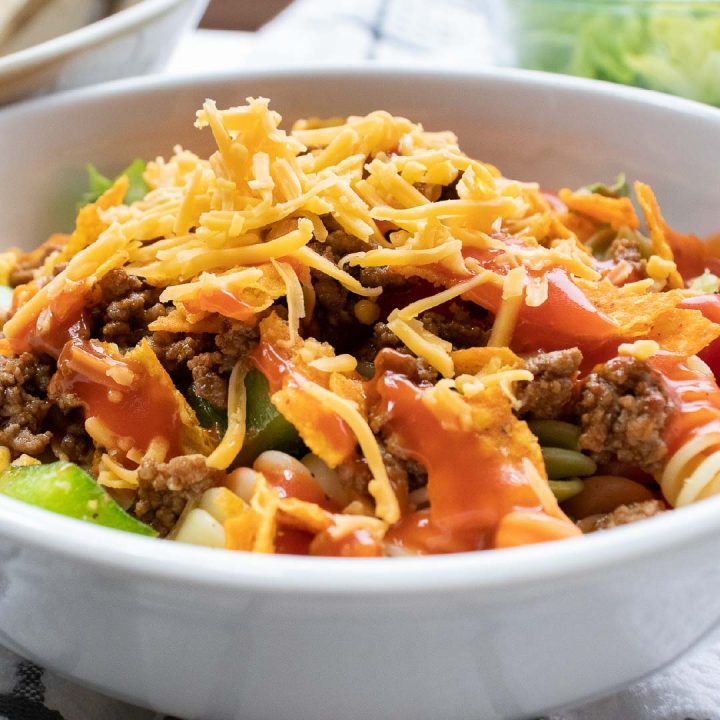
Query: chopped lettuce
[(99, 183), (618, 189), (673, 47)]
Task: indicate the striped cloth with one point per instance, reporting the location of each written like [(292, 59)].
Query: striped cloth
[(345, 32)]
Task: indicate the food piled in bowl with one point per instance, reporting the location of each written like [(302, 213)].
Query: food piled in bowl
[(352, 339)]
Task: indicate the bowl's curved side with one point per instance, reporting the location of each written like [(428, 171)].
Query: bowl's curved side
[(491, 635), (227, 652), (132, 42)]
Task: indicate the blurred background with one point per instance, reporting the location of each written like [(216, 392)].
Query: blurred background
[(239, 15), (672, 46)]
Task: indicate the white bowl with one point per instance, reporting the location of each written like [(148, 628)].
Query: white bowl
[(130, 42), (501, 634)]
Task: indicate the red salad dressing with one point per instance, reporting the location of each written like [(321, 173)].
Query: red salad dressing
[(417, 532), (62, 320), (291, 484), (145, 409), (291, 541), (223, 302), (359, 543), (566, 319), (472, 482), (694, 396), (709, 306)]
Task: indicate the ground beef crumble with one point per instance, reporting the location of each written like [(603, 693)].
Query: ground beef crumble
[(628, 249), (460, 326), (623, 515), (211, 370), (127, 306), (174, 350), (549, 394), (623, 413), (24, 382), (382, 337), (165, 488), (404, 474)]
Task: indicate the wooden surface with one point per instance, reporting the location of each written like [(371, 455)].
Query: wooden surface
[(241, 14)]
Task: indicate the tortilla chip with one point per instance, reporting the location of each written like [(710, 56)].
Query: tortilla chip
[(303, 515), (656, 225), (326, 434), (265, 504), (311, 421), (616, 212), (654, 316), (177, 321), (524, 528), (474, 360), (684, 332), (194, 438)]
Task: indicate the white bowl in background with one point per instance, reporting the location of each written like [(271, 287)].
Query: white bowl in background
[(215, 635), (130, 42)]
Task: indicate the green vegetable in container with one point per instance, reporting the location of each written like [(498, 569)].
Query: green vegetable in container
[(555, 433), (561, 463), (566, 489), (64, 488), (672, 47), (209, 416), (98, 183), (266, 428)]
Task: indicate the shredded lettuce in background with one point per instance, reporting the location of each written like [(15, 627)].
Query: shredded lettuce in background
[(673, 47), (618, 189), (98, 183)]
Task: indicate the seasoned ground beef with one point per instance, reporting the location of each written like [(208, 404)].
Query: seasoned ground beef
[(623, 515), (405, 475), (411, 472), (211, 370), (548, 395), (382, 337), (127, 306), (69, 440), (23, 403), (384, 277), (460, 327), (333, 319), (628, 249), (623, 413), (340, 244), (210, 377), (24, 269), (175, 350), (165, 488)]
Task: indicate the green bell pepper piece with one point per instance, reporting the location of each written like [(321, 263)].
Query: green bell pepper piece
[(266, 428), (64, 488), (208, 415)]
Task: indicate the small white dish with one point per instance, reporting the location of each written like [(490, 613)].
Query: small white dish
[(131, 42), (215, 635)]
